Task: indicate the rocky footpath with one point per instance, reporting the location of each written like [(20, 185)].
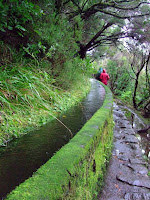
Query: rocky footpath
[(126, 178)]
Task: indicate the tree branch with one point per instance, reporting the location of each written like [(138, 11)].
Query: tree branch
[(98, 34), (131, 8), (99, 7), (122, 17), (112, 38)]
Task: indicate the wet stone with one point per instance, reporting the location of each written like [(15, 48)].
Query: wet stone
[(132, 180), (116, 107), (133, 146), (138, 168), (118, 137), (130, 132), (137, 154), (128, 127), (117, 128), (146, 196), (118, 114), (122, 157), (136, 161), (137, 196), (131, 139), (127, 177), (126, 170), (121, 123)]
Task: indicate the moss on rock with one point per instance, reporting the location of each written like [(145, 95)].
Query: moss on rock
[(76, 171)]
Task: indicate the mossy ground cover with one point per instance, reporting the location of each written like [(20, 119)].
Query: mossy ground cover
[(88, 177), (76, 171)]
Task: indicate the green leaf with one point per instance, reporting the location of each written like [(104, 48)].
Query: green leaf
[(20, 28), (3, 30), (10, 27)]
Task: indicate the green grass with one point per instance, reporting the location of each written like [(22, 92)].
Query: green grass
[(31, 96)]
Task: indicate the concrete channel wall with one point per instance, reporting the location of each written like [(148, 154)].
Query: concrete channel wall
[(76, 171)]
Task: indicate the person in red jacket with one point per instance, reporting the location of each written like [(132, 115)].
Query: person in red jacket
[(104, 77)]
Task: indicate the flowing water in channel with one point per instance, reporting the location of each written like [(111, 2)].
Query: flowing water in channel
[(24, 156)]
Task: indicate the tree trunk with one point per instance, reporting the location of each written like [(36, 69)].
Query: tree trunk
[(82, 53), (145, 61), (135, 89)]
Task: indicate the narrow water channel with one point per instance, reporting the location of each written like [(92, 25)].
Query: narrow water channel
[(24, 156)]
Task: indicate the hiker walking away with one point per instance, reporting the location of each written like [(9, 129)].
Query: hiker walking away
[(99, 73), (104, 77)]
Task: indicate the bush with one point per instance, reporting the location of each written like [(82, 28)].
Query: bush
[(127, 96)]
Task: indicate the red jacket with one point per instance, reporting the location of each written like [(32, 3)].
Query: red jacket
[(104, 77)]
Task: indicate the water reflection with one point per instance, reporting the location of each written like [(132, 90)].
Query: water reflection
[(25, 155)]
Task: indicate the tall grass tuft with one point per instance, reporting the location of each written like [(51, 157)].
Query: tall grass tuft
[(31, 96)]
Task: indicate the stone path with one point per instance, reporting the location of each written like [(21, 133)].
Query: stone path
[(127, 177)]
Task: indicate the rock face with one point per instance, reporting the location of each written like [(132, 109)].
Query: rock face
[(126, 178)]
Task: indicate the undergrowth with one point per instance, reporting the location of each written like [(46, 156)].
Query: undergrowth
[(30, 96), (41, 74)]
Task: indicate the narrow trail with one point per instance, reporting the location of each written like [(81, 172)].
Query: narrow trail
[(126, 178)]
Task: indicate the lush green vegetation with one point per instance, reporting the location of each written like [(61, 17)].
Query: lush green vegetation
[(130, 78), (77, 170), (46, 53), (44, 56), (40, 77), (29, 98)]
